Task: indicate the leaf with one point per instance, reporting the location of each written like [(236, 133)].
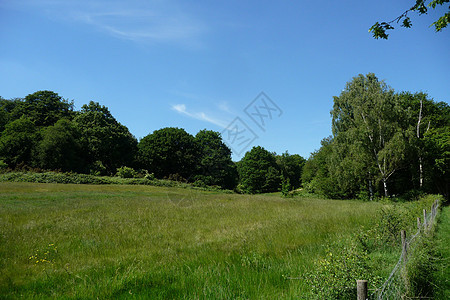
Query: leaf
[(442, 22), (407, 22)]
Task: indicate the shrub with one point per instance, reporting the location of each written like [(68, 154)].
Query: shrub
[(286, 188), (3, 166), (126, 172), (177, 177), (335, 275), (98, 169), (149, 176)]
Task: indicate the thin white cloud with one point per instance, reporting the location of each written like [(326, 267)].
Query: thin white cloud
[(138, 21), (181, 108), (150, 25), (224, 107)]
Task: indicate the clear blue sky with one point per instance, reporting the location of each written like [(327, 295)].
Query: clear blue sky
[(199, 64)]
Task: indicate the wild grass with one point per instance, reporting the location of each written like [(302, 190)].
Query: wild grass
[(121, 241), (441, 266)]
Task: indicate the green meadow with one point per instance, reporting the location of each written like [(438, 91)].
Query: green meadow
[(122, 241)]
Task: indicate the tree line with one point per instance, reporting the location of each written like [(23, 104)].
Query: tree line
[(384, 143), (43, 131)]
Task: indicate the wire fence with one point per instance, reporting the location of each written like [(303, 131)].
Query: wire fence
[(396, 285)]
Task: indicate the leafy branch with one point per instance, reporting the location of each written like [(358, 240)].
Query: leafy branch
[(379, 29)]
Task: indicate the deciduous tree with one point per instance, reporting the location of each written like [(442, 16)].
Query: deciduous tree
[(367, 113), (215, 165), (169, 151), (17, 142), (258, 172), (59, 148), (105, 141), (44, 108)]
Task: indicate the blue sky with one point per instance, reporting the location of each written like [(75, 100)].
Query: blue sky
[(200, 64)]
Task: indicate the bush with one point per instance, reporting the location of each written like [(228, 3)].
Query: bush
[(126, 172), (334, 276), (98, 169), (177, 177), (3, 165), (286, 188), (149, 176)]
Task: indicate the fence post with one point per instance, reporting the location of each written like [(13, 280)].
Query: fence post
[(418, 223), (434, 209), (424, 218), (361, 288), (404, 250)]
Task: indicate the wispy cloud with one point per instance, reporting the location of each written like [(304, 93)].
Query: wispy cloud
[(138, 21), (224, 107), (181, 108)]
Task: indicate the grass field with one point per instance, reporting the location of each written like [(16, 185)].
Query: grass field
[(441, 276), (119, 241)]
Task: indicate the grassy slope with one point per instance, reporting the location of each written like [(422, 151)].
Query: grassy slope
[(142, 241), (442, 273)]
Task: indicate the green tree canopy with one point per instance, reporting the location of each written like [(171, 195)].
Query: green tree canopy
[(291, 168), (366, 115), (60, 148), (258, 172), (428, 124), (6, 109), (316, 176), (105, 141), (169, 151), (44, 108), (17, 142), (216, 166)]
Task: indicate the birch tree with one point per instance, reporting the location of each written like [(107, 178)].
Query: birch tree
[(366, 114)]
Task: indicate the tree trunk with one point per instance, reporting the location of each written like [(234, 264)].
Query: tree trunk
[(420, 171), (419, 120), (386, 192), (370, 188)]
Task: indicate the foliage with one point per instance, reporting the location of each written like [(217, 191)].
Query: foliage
[(258, 172), (291, 168), (379, 29), (17, 142), (3, 165), (438, 142), (215, 165), (59, 147), (44, 108), (286, 188), (316, 175), (169, 151), (126, 172), (365, 121), (6, 109), (384, 143), (104, 139), (335, 275)]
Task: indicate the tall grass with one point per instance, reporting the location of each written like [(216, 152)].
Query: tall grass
[(119, 241)]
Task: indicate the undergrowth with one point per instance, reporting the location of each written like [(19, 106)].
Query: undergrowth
[(76, 178)]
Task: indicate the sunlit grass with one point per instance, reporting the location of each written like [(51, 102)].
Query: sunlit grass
[(120, 241)]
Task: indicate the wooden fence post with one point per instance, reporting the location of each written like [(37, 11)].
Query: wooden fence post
[(424, 218), (361, 288), (418, 223), (404, 246)]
